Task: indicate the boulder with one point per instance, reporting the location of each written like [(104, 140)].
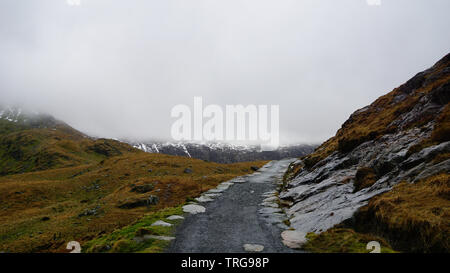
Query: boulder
[(90, 212), (132, 203), (142, 188)]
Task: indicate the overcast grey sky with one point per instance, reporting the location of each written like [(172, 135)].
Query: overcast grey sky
[(115, 68)]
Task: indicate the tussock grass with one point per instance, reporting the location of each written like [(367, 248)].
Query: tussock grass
[(364, 178), (342, 240), (122, 240), (413, 217), (42, 149)]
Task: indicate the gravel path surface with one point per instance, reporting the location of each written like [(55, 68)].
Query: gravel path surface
[(234, 218)]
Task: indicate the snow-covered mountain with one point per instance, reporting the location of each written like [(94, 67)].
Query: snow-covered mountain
[(222, 152)]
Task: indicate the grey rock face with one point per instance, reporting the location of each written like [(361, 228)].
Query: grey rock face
[(324, 196)]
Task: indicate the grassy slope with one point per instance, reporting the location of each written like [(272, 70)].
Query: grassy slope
[(416, 217), (63, 194), (123, 240), (33, 149), (50, 174)]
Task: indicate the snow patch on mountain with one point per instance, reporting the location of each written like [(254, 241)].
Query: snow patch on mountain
[(222, 152)]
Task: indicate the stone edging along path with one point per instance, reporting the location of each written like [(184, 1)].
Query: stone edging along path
[(240, 215)]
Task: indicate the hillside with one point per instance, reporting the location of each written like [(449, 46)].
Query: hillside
[(385, 172), (58, 185), (35, 142)]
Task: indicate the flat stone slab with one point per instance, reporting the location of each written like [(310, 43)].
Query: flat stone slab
[(275, 218), (204, 199), (212, 195), (271, 199), (253, 248), (238, 180), (269, 210), (161, 224), (224, 186), (269, 194), (194, 209), (216, 190), (175, 217), (293, 239), (268, 204)]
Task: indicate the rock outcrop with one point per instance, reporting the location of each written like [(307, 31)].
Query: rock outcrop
[(403, 136)]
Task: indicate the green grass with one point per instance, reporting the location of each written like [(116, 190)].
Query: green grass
[(121, 240)]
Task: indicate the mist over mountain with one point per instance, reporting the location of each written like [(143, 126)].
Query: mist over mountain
[(14, 118), (115, 69)]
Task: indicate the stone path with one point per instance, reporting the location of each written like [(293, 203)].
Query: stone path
[(240, 215)]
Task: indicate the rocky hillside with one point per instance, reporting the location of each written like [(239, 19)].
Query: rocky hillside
[(385, 172), (222, 152)]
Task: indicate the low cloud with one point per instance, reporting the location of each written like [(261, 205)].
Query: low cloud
[(115, 68)]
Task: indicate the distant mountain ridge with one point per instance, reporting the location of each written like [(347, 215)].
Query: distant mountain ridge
[(15, 119), (223, 152)]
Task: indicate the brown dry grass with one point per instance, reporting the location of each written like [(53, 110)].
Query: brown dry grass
[(364, 178), (62, 194), (414, 217), (43, 149)]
